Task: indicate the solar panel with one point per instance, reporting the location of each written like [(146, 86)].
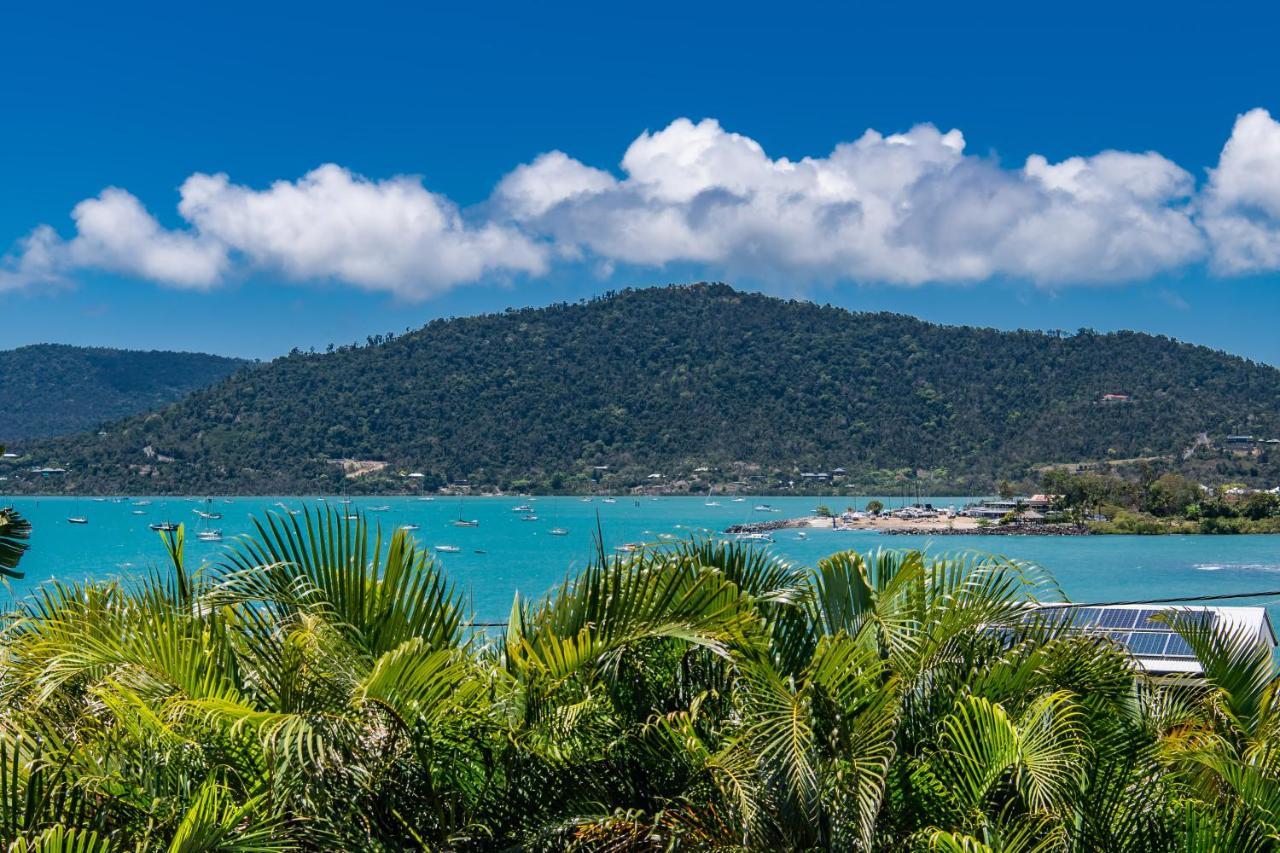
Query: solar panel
[(1204, 618), (1178, 648), (1143, 619), (1055, 615), (1130, 627), (1147, 643), (1116, 618), (1086, 617)]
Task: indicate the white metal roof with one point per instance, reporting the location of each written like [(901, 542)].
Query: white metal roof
[(1154, 645)]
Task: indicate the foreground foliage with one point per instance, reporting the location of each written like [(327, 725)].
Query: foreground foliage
[(321, 689)]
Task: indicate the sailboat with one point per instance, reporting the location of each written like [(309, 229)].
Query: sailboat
[(463, 522), (709, 501), (77, 519), (205, 534)]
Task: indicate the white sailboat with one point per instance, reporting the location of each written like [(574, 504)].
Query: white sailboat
[(464, 522)]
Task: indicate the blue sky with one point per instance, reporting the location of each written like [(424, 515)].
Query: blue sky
[(144, 98)]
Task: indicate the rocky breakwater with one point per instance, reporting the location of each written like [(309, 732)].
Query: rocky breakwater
[(994, 530), (766, 526)]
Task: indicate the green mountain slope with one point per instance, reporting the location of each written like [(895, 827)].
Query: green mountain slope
[(669, 380), (52, 389)]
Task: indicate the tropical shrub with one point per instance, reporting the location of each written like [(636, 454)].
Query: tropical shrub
[(322, 687)]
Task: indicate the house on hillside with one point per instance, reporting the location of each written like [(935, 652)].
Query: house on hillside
[(1239, 444)]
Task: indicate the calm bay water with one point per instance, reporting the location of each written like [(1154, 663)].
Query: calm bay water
[(522, 555)]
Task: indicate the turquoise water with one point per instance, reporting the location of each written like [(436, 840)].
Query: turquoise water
[(521, 555)]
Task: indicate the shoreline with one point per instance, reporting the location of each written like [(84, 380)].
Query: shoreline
[(960, 525), (890, 526)]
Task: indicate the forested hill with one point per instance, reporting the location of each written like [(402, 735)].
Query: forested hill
[(50, 389), (670, 380)]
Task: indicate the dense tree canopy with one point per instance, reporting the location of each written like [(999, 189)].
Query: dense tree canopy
[(670, 380), (49, 389)]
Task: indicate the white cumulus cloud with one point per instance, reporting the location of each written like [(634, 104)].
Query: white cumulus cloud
[(905, 208), (390, 235), (114, 232), (1241, 204)]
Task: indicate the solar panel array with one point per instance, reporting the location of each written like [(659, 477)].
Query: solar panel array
[(1132, 628)]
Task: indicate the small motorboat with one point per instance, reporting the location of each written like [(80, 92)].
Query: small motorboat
[(209, 535), (528, 518), (611, 500), (139, 512), (754, 538), (77, 519), (408, 527), (163, 526), (448, 549), (383, 508), (558, 531), (522, 508), (629, 548), (462, 522), (208, 515)]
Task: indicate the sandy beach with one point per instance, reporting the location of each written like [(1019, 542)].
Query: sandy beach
[(885, 523)]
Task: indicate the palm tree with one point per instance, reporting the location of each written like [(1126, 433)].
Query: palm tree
[(322, 688)]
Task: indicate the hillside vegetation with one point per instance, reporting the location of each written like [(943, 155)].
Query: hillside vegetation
[(670, 380), (51, 389)]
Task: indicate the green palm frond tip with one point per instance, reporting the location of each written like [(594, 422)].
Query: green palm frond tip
[(15, 531)]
